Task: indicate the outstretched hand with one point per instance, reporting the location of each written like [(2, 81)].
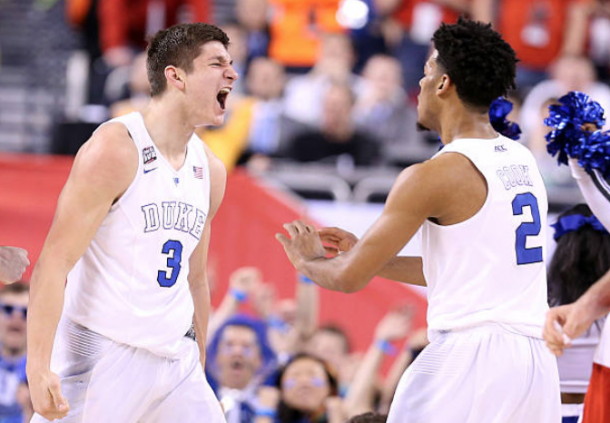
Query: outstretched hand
[(13, 262), (338, 240), (563, 324), (303, 243)]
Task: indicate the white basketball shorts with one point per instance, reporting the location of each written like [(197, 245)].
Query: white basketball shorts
[(480, 375), (105, 381)]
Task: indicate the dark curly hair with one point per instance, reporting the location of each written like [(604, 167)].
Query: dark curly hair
[(479, 62), (178, 45), (580, 259)]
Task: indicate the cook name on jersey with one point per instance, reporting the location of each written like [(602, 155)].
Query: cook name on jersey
[(174, 216)]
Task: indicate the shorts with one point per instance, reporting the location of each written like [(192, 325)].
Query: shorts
[(105, 381), (484, 374)]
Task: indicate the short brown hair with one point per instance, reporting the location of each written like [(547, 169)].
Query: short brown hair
[(15, 288), (178, 45)]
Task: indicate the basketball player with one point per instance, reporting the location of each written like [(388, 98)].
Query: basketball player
[(131, 234), (13, 262), (482, 205), (575, 319)]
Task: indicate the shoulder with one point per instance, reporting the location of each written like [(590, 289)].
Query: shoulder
[(108, 158), (440, 178), (111, 141)]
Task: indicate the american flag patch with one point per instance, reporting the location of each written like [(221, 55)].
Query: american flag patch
[(198, 172)]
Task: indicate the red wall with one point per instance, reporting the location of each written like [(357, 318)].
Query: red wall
[(242, 234)]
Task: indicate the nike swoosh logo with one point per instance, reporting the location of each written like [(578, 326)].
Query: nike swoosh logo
[(149, 170)]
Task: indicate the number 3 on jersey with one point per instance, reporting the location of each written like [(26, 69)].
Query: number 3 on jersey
[(173, 249), (527, 255)]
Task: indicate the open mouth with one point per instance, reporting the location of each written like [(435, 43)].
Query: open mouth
[(237, 365), (222, 97)]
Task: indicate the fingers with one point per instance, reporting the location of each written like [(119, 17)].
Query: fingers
[(332, 232), (291, 229), (56, 406), (300, 226), (552, 328), (332, 251), (282, 239), (553, 334)]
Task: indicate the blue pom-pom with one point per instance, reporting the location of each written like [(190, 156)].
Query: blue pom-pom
[(569, 138), (499, 109), (595, 153)]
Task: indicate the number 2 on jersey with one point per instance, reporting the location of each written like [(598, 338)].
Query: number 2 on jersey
[(173, 249), (527, 255)]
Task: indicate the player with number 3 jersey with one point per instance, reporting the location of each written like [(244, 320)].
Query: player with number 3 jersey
[(131, 235)]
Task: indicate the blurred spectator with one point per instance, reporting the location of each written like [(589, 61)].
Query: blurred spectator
[(331, 344), (14, 301), (238, 49), (266, 83), (304, 94), (25, 402), (415, 344), (383, 108), (338, 136), (125, 24), (409, 26), (116, 30), (243, 282), (139, 89), (308, 392), (253, 121), (296, 28), (363, 390), (538, 30), (253, 17), (599, 43), (568, 73), (581, 258), (368, 418), (553, 174), (239, 361), (291, 321)]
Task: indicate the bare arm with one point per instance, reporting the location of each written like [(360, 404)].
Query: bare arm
[(483, 10), (198, 278), (83, 204), (360, 397), (575, 35), (308, 301), (441, 188), (243, 280), (574, 319), (399, 268), (570, 321)]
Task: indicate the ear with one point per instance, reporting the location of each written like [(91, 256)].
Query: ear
[(443, 84), (175, 77)]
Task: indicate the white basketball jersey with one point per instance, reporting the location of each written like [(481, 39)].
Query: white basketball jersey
[(490, 268), (131, 284)]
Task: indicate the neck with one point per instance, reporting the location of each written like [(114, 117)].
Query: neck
[(459, 122), (340, 132), (169, 127)]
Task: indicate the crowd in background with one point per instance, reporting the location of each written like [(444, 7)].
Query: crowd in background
[(335, 81)]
